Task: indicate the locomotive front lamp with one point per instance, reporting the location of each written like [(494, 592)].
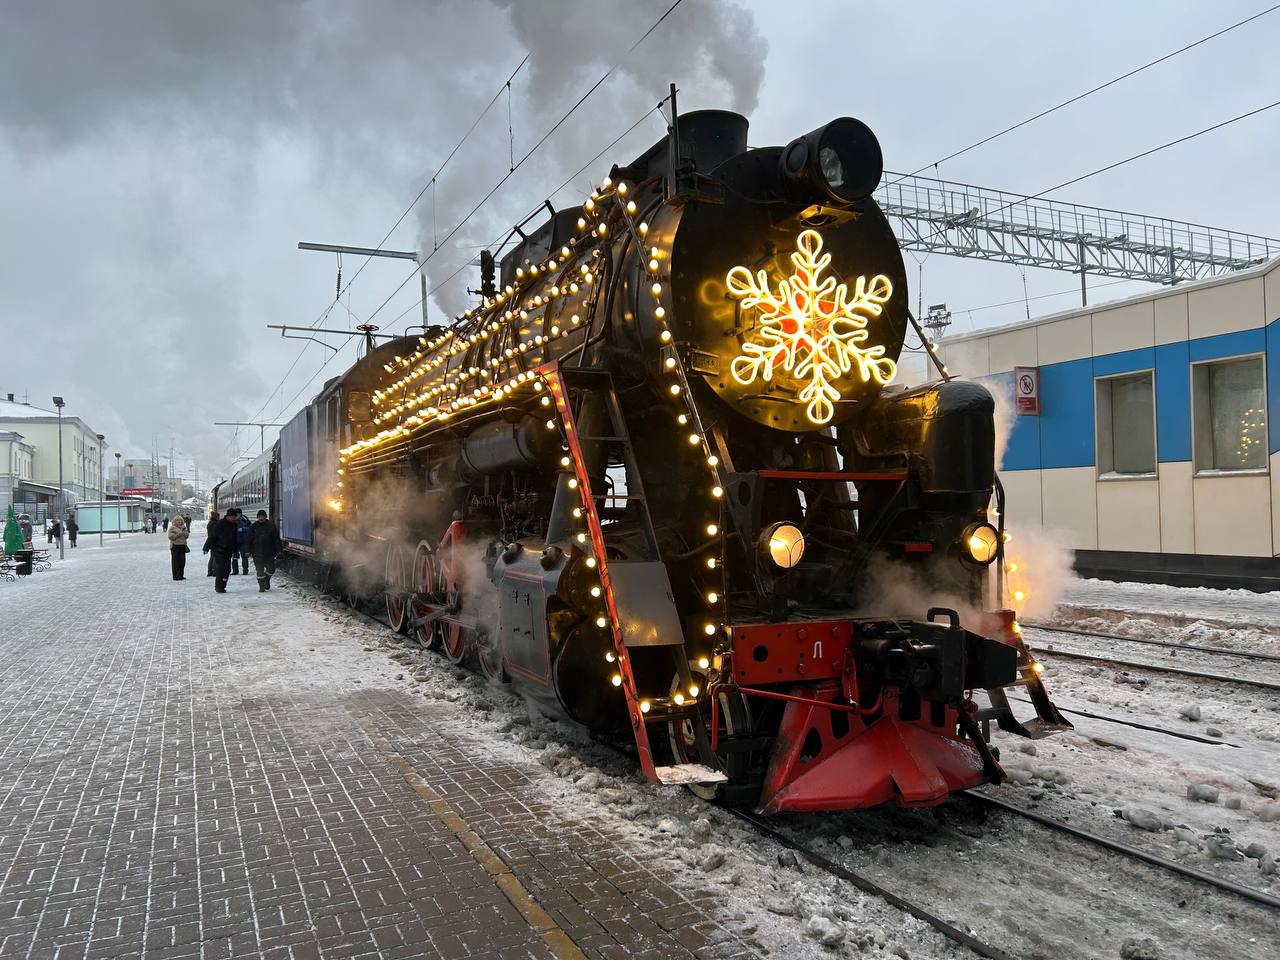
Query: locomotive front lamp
[(839, 162), (981, 543), (783, 543)]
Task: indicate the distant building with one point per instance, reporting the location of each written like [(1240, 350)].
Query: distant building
[(1155, 453), (33, 446)]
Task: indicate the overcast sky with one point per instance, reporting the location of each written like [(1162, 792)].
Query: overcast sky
[(160, 160)]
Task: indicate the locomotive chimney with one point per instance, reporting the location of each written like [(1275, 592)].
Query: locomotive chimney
[(487, 272)]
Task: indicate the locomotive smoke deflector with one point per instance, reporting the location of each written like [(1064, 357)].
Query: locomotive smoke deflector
[(841, 162)]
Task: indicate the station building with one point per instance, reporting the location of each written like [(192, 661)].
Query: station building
[(29, 474), (1154, 451)]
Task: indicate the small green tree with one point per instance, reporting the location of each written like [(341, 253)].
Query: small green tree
[(13, 539)]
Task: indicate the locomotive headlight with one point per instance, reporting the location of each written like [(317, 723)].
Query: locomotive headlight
[(783, 543), (840, 161), (980, 543)]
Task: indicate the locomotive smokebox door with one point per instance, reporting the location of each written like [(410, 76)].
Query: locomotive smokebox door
[(805, 315)]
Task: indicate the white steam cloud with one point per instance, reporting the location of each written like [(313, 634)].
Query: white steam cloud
[(1038, 560), (710, 49)]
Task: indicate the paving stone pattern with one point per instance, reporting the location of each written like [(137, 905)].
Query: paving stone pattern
[(174, 785)]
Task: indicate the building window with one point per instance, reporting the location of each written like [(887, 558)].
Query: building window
[(1229, 404), (1126, 412)]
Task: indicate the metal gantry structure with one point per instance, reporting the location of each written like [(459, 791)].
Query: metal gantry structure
[(962, 220)]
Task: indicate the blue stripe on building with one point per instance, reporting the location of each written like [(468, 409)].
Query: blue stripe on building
[(1066, 401), (1063, 434), (1273, 386), (1173, 402)]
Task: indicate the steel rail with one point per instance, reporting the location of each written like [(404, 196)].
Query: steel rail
[(947, 929), (1199, 648), (1042, 653), (1118, 846), (1195, 737)]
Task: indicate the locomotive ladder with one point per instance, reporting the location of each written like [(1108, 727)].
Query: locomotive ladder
[(634, 577)]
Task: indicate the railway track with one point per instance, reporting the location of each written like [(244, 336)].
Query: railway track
[(964, 937), (1135, 853), (866, 885), (1137, 725), (1235, 658)]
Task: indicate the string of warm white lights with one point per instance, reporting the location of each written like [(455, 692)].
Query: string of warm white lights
[(496, 352)]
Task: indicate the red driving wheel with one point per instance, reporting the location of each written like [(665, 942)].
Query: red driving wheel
[(397, 583), (453, 638), (430, 594)]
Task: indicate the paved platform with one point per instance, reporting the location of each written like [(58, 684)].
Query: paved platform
[(188, 775)]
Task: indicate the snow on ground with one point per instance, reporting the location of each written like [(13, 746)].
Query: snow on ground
[(1188, 603), (1172, 628)]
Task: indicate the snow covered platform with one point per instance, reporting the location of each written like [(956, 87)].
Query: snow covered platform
[(185, 774)]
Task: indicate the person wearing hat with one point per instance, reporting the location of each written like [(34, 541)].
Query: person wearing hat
[(264, 547)]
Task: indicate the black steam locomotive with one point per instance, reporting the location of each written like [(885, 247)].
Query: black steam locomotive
[(661, 481)]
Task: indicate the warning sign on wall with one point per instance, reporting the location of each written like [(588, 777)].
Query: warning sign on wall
[(1026, 391)]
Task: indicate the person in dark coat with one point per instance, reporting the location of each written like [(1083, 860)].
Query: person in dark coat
[(55, 531), (178, 549), (264, 546), (73, 528), (214, 518), (166, 523), (220, 545)]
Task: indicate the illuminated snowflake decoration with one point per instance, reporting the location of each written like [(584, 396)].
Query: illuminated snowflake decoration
[(812, 328)]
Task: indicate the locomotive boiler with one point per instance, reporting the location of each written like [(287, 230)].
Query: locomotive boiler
[(662, 481)]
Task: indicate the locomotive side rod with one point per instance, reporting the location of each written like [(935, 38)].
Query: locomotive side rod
[(947, 929)]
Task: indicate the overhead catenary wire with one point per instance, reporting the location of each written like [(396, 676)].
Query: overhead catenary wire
[(497, 186), (452, 153), (1087, 93), (430, 184), (532, 150), (551, 196), (461, 267)]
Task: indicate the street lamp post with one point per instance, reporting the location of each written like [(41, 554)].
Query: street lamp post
[(102, 496), (119, 496), (62, 550)]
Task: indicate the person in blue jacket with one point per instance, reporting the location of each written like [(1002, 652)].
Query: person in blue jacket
[(240, 558)]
